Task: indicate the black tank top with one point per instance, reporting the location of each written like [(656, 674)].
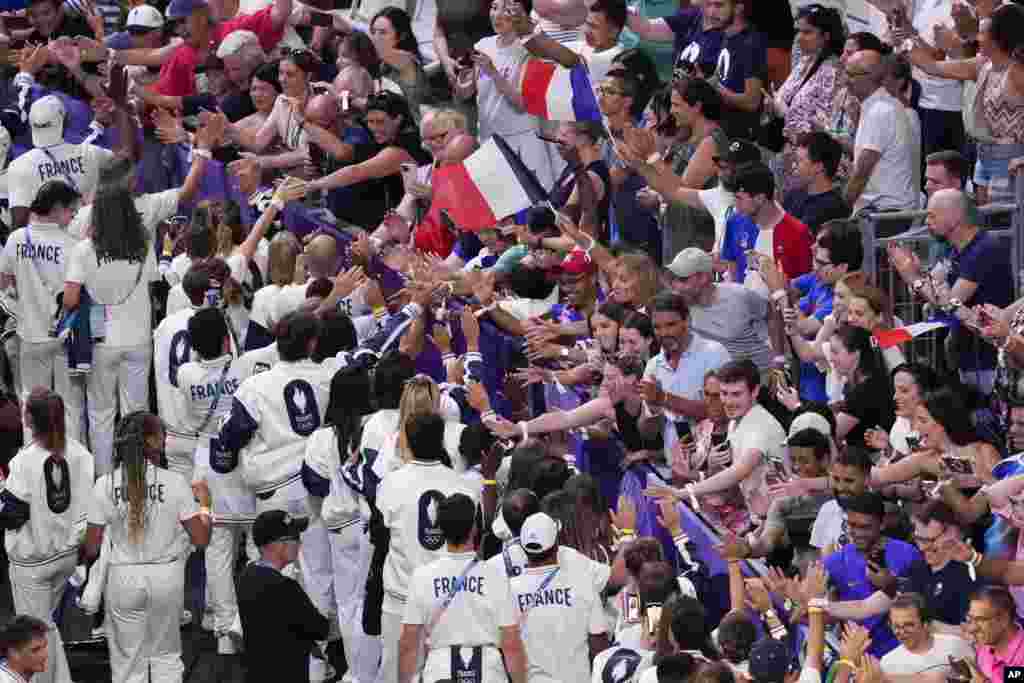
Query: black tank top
[(566, 183)]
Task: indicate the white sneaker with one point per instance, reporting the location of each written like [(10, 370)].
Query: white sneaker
[(319, 670), (235, 630), (226, 645), (186, 617)]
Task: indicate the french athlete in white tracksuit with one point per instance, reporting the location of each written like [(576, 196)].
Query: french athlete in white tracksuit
[(462, 610), (54, 493), (206, 387), (146, 571)]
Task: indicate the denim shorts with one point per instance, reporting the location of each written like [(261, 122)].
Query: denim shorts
[(991, 170)]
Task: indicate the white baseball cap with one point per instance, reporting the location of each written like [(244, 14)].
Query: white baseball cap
[(144, 16), (810, 420), (47, 119), (539, 533), (691, 261)]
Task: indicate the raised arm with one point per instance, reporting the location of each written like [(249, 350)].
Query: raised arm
[(386, 162)]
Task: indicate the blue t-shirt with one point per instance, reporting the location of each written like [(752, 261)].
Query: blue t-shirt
[(740, 236), (743, 55), (692, 44), (122, 40), (816, 301), (985, 261), (847, 572)]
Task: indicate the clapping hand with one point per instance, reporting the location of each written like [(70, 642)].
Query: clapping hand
[(168, 127), (855, 642), (625, 516)]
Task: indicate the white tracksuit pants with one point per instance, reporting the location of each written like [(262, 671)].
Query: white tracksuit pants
[(44, 364), (221, 552), (390, 631), (350, 560), (120, 375), (37, 591), (143, 624)]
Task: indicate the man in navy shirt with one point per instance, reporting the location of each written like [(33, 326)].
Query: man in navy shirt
[(741, 68), (697, 34), (978, 272), (868, 564), (818, 201)]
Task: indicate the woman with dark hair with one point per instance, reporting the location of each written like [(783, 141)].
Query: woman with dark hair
[(401, 61), (114, 266), (804, 99), (949, 446), (911, 382), (373, 174), (45, 499), (265, 87), (285, 122), (152, 518), (582, 526), (358, 65), (999, 100), (636, 336), (868, 397)]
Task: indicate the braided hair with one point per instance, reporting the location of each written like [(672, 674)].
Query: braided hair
[(132, 456)]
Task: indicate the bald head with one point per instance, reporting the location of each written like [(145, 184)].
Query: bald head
[(321, 256), (322, 110)]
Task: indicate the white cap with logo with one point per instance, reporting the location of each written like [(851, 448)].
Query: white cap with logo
[(144, 16), (539, 533), (47, 119), (691, 261)]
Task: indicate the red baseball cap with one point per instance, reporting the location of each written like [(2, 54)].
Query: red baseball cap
[(577, 262)]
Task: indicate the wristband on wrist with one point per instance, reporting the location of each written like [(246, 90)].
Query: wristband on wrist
[(848, 663), (778, 295), (490, 482), (277, 204), (654, 158), (487, 414), (200, 152), (379, 311), (445, 357), (525, 429)]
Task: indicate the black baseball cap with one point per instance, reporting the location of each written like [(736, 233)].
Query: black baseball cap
[(769, 660), (738, 152), (277, 525)]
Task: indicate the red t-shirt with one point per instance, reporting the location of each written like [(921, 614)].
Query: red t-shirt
[(791, 243), (176, 75)]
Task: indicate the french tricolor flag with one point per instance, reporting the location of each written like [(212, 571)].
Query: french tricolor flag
[(492, 183), (901, 335), (555, 93)]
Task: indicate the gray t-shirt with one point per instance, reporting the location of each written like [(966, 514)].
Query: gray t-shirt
[(736, 318)]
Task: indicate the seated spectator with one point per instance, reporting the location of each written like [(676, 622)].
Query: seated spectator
[(401, 61)]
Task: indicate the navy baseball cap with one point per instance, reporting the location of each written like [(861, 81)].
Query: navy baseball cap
[(277, 525), (179, 9), (769, 660)]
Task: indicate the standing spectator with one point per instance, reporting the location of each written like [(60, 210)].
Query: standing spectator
[(941, 102), (494, 78), (279, 622), (814, 199), (25, 646), (979, 272), (848, 476), (726, 312), (883, 158), (673, 382), (868, 396), (697, 34), (741, 71), (401, 61), (762, 228), (997, 108), (45, 496), (843, 114)]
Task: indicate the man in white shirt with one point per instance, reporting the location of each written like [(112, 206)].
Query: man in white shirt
[(673, 383), (563, 621), (883, 155), (848, 477), (408, 499), (462, 608), (51, 158), (756, 438), (34, 262), (920, 649)]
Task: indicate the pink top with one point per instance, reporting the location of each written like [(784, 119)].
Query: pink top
[(811, 103), (992, 663)]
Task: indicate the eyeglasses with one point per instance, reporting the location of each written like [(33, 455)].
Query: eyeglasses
[(605, 90), (821, 263), (857, 74), (926, 541), (971, 620)]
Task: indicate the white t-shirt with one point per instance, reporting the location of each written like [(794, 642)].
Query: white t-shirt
[(720, 203), (758, 430), (902, 661), (829, 525), (497, 115), (169, 502), (154, 209), (885, 128), (598, 63), (407, 499), (121, 307), (482, 606), (263, 302), (901, 429), (37, 256), (936, 93), (286, 124), (172, 348), (288, 299), (556, 622), (78, 164), (52, 530), (179, 266)]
